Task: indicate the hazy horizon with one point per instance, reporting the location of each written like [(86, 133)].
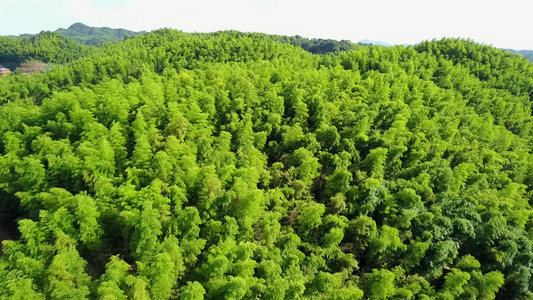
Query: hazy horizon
[(393, 22)]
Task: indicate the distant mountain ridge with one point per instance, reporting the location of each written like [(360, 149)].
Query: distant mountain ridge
[(525, 53), (95, 36), (378, 43), (88, 35)]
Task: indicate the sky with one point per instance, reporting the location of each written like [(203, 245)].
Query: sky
[(503, 24)]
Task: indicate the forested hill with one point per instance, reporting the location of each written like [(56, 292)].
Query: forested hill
[(88, 35), (46, 46), (233, 166)]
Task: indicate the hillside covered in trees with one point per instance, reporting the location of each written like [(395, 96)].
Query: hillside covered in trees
[(95, 36), (239, 166), (47, 47)]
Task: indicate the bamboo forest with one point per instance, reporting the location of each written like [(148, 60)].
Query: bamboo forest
[(235, 165)]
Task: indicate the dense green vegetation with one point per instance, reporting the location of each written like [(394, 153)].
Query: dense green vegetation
[(46, 46), (316, 46), (233, 166), (88, 35)]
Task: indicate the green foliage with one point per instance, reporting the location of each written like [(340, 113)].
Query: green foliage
[(95, 36), (113, 281), (46, 46), (238, 166), (192, 291), (379, 284)]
